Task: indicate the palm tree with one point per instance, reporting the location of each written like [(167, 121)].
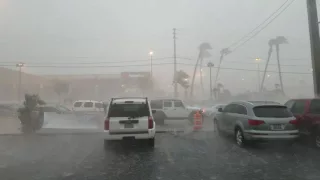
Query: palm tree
[(202, 54), (270, 43), (275, 42), (223, 53), (280, 40)]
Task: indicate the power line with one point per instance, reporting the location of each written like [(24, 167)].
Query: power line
[(159, 64), (241, 62), (98, 62), (269, 17), (254, 35)]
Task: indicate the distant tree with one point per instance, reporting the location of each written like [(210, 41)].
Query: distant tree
[(61, 87)]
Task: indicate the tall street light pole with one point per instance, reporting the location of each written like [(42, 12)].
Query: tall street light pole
[(314, 44), (175, 94), (258, 63), (19, 65), (151, 54), (210, 65)]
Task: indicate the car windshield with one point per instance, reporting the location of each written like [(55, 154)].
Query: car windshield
[(272, 111), (128, 110)]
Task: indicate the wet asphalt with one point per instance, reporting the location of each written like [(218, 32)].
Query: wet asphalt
[(177, 155)]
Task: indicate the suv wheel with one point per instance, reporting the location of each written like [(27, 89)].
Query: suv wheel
[(151, 142), (317, 140), (239, 137)]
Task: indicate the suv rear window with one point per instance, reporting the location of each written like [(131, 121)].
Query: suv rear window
[(315, 106), (128, 110), (272, 111), (77, 104)]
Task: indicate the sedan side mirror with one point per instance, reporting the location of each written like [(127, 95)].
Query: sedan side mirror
[(220, 109), (154, 111)]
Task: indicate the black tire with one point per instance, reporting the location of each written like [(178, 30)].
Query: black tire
[(190, 117), (150, 142), (316, 141), (239, 137)]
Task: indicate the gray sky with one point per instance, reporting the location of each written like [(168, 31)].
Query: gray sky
[(70, 32)]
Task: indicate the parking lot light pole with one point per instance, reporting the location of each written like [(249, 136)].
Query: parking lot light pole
[(19, 65), (151, 54), (210, 65)]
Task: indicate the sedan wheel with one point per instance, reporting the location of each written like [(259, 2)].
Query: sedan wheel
[(239, 138)]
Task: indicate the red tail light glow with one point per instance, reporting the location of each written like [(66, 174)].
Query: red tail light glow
[(150, 123), (255, 122), (106, 124), (294, 122)]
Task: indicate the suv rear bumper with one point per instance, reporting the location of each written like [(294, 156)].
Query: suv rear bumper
[(149, 134), (271, 135)]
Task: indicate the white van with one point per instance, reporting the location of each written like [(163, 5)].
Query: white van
[(87, 105)]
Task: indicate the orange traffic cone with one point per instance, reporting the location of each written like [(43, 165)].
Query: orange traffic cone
[(197, 121)]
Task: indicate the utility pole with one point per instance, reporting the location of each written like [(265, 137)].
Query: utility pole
[(314, 44), (175, 64)]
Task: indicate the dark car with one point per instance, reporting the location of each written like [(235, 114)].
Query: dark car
[(307, 112)]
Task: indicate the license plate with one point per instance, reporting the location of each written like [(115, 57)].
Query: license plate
[(128, 125), (277, 127)]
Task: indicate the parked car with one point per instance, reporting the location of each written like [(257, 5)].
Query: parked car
[(250, 121), (173, 109), (87, 106), (129, 118), (307, 112)]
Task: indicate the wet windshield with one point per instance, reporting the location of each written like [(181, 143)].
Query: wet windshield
[(215, 75)]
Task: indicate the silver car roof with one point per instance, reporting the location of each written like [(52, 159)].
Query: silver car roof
[(252, 104)]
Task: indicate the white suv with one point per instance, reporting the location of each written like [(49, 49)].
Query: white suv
[(87, 106), (129, 118)]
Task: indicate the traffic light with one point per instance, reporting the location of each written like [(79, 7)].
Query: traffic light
[(182, 78)]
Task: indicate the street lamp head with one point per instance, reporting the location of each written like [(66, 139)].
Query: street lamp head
[(151, 53), (20, 65), (258, 59)]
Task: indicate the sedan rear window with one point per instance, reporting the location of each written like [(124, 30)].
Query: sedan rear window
[(272, 111), (128, 110)]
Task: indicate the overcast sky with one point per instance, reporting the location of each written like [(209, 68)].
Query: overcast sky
[(75, 32)]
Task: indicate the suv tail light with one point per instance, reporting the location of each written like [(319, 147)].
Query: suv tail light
[(150, 123), (294, 122), (106, 124), (252, 122)]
